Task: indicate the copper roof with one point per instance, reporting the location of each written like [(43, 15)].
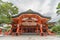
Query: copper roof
[(30, 12)]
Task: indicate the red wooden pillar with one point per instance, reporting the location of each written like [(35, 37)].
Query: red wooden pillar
[(37, 30), (21, 30), (41, 30), (17, 31), (49, 32), (0, 31)]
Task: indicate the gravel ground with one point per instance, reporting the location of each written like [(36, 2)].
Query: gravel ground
[(29, 37)]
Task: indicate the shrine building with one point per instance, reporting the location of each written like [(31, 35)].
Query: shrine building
[(30, 22)]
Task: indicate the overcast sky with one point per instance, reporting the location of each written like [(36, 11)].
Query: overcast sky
[(45, 7)]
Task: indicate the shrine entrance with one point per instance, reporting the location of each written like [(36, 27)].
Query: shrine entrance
[(29, 30), (31, 22)]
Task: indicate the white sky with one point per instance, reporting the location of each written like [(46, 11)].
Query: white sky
[(45, 7)]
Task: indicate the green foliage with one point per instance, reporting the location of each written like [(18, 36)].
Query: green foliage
[(59, 21), (58, 9), (8, 28), (56, 28), (58, 6), (6, 11)]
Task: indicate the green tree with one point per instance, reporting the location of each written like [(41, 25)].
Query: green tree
[(6, 11), (58, 8)]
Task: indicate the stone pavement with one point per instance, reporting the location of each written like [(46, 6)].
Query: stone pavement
[(29, 37)]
